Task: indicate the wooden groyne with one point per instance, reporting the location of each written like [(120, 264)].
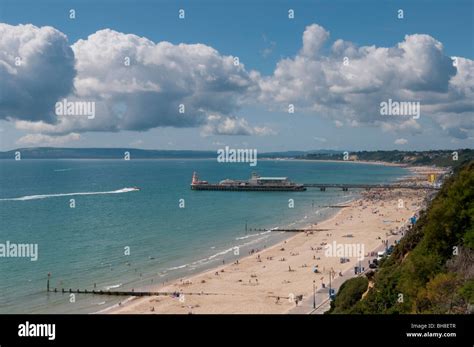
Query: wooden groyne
[(299, 230), (289, 230), (121, 292), (126, 292)]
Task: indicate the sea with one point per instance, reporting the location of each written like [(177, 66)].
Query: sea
[(136, 224)]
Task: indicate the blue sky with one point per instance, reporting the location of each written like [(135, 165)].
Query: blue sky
[(261, 35)]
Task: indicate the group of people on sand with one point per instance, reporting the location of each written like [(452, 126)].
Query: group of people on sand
[(252, 251)]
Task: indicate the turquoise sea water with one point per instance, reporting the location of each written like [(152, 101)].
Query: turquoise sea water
[(86, 245)]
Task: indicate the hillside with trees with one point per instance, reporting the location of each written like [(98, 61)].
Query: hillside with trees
[(435, 157)]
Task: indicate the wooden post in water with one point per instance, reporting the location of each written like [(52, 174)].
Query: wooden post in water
[(47, 284)]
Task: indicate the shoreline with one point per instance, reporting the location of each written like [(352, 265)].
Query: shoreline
[(206, 281)]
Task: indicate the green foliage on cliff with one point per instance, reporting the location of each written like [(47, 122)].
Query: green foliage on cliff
[(349, 294)]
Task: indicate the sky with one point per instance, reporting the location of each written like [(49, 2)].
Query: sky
[(229, 72)]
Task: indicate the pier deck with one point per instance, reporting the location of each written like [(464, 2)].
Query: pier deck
[(303, 187), (345, 187)]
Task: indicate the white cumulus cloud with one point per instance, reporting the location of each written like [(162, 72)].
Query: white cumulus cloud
[(349, 83), (137, 84), (400, 141), (220, 125), (36, 69), (47, 140)]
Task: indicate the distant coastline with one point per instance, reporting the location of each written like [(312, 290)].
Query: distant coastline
[(441, 158), (383, 163)]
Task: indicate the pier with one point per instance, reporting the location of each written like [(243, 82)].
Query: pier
[(249, 188), (346, 187), (302, 187)]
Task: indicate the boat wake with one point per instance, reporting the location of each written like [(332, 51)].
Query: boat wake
[(35, 197)]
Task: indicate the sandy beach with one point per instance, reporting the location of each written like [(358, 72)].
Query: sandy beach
[(269, 280)]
